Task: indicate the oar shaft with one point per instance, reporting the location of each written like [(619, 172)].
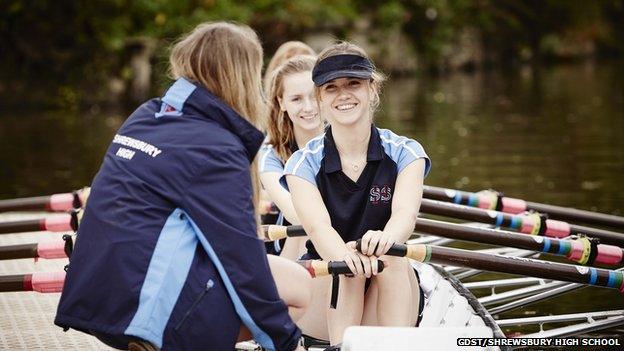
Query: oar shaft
[(515, 206), (605, 236), (63, 202), (44, 282), (580, 251), (48, 249), (573, 214), (29, 225), (528, 224), (512, 265), (56, 223), (13, 282), (39, 203), (13, 252)]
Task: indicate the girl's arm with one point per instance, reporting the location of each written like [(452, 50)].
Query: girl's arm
[(315, 219), (280, 196), (405, 206)]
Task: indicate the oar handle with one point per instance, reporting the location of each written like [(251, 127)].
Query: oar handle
[(319, 268), (415, 252), (275, 232)]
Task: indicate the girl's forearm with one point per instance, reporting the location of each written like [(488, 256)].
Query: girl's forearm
[(327, 242), (401, 224)]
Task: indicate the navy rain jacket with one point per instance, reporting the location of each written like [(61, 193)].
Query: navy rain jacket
[(167, 250)]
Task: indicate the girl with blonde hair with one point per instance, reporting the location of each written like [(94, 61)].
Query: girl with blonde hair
[(168, 255), (293, 121), (285, 52), (357, 181)]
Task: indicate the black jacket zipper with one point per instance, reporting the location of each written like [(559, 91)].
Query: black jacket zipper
[(209, 286)]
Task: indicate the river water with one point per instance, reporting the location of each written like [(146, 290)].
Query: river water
[(554, 135)]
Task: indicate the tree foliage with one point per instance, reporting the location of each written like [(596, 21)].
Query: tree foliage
[(65, 48)]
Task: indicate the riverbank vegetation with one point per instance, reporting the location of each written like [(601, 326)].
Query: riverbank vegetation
[(75, 53)]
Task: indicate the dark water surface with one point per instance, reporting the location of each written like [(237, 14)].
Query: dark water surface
[(554, 136)]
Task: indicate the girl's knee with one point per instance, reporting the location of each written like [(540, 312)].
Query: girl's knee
[(396, 265)]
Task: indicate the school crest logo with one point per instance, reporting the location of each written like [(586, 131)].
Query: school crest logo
[(380, 194)]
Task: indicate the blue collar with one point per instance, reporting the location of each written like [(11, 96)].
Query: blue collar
[(198, 100)]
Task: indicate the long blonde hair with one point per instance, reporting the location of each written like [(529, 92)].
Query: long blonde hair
[(286, 51), (347, 48), (226, 59), (280, 128)]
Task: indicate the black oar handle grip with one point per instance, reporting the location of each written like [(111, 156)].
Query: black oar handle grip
[(340, 267), (399, 250)]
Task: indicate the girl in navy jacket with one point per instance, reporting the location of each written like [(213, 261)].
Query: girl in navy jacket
[(167, 251)]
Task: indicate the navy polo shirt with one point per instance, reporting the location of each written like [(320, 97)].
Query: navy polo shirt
[(356, 207)]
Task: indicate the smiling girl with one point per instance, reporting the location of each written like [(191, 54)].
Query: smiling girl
[(357, 182), (293, 121)]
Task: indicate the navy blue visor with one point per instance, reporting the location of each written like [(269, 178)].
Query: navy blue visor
[(341, 66)]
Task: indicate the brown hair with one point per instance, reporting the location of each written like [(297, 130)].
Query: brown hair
[(226, 59), (346, 48), (286, 51), (280, 128)]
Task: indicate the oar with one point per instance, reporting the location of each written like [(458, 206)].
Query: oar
[(56, 223), (531, 223), (582, 251), (319, 268), (511, 265), (51, 249), (492, 200), (44, 282), (53, 203)]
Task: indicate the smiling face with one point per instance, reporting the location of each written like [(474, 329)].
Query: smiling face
[(346, 100), (299, 102)]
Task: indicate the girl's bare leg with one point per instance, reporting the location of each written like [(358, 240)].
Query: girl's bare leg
[(393, 296), (294, 285), (314, 321), (349, 308)]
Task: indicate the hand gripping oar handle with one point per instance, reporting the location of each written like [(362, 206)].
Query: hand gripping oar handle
[(44, 282), (64, 202), (508, 264)]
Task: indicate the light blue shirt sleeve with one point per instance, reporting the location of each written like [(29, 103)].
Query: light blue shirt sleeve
[(403, 150), (305, 163), (269, 161)]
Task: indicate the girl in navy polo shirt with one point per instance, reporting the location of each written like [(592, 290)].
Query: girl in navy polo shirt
[(358, 181), (293, 121)]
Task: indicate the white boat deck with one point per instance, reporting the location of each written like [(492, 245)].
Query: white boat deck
[(27, 318)]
